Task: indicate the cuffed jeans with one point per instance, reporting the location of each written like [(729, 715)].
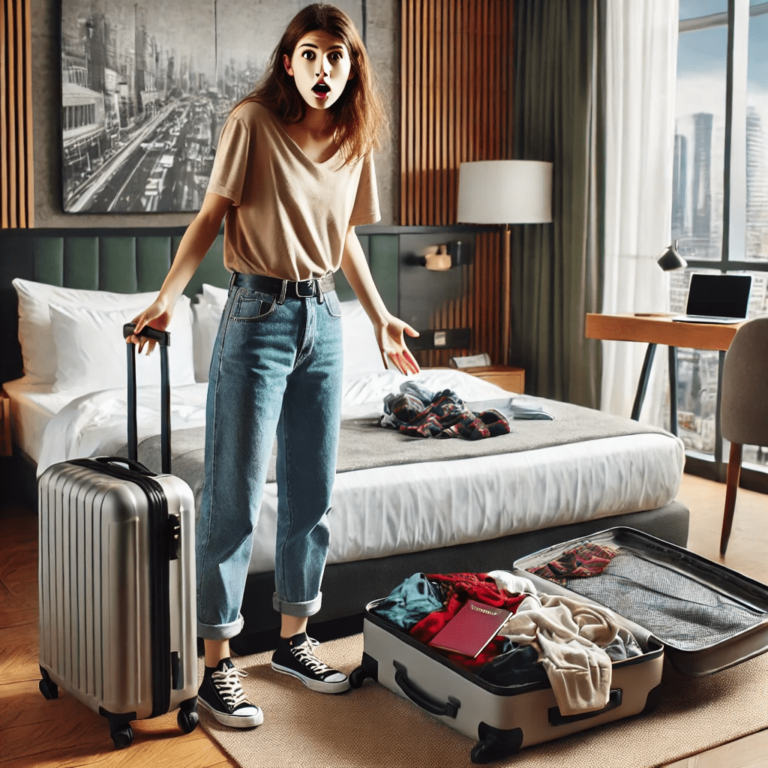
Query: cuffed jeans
[(276, 371)]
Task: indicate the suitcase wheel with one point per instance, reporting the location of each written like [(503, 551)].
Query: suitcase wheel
[(187, 721), (356, 678), (369, 667), (123, 737), (48, 688)]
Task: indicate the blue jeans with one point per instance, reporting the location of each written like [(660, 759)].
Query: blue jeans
[(276, 370)]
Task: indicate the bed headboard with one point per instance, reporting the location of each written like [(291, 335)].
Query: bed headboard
[(127, 261)]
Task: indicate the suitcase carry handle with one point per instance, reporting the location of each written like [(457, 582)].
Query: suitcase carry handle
[(421, 698), (614, 701), (136, 466), (163, 338)]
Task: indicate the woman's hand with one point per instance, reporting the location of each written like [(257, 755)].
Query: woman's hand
[(390, 336), (157, 315)]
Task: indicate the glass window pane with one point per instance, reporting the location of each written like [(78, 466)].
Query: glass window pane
[(697, 375), (757, 125), (697, 208)]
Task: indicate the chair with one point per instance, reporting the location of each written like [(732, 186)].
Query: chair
[(744, 408)]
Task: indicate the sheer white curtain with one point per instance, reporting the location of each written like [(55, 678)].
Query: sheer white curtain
[(641, 64)]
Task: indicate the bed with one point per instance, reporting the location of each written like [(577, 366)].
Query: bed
[(471, 507)]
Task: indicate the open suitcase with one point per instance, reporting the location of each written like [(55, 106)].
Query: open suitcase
[(117, 581), (701, 616)]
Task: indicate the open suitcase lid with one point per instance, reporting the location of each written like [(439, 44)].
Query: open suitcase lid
[(708, 617)]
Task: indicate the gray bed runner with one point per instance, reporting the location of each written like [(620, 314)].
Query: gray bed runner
[(365, 445)]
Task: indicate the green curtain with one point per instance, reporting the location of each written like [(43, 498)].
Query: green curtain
[(557, 268)]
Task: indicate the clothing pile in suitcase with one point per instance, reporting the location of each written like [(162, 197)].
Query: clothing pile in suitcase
[(589, 622)]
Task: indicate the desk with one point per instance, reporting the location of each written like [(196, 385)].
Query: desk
[(660, 329)]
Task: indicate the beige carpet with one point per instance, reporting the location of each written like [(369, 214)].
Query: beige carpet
[(373, 727)]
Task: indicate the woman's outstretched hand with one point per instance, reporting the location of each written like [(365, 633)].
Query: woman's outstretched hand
[(391, 338), (157, 315)]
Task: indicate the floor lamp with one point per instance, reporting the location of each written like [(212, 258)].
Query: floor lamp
[(505, 192)]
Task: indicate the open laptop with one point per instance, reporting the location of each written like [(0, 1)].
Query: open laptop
[(717, 299)]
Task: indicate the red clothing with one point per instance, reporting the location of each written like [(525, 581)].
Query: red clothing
[(458, 588)]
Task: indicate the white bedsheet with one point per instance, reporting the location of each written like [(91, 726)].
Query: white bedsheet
[(407, 508)]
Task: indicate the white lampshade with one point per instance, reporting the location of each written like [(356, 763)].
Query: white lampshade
[(505, 192)]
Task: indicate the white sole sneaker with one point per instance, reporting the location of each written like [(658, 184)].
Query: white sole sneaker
[(234, 721), (314, 685)]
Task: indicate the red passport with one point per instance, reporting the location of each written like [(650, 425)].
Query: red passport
[(471, 629)]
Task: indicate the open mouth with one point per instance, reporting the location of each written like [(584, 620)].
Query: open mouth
[(321, 88)]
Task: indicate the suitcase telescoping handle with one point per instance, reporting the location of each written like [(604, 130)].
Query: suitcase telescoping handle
[(163, 338)]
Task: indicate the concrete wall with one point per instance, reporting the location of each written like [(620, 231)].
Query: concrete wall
[(383, 46)]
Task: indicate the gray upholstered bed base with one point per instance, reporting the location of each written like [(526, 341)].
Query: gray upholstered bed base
[(348, 587)]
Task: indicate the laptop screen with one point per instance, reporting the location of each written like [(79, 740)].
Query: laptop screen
[(719, 295)]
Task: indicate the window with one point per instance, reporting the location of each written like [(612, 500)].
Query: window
[(720, 183)]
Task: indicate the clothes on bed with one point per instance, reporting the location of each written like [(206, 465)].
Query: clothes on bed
[(417, 412), (585, 560)]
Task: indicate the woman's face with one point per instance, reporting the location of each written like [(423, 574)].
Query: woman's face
[(321, 67)]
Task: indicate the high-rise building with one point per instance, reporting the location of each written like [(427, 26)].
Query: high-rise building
[(757, 187), (702, 177), (679, 182)]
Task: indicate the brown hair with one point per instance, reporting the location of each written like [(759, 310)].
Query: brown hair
[(358, 115)]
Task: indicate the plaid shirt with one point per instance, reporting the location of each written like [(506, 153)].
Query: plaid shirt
[(417, 412)]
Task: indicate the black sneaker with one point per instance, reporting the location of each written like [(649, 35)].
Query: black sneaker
[(296, 656), (223, 696)]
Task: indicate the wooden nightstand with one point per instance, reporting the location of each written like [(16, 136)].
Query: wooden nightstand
[(5, 424), (504, 376)]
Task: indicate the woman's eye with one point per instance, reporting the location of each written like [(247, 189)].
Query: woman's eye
[(336, 56), (308, 55)]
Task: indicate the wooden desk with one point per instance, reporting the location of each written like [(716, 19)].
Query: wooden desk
[(660, 329)]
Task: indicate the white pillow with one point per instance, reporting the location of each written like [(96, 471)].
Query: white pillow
[(35, 333), (215, 296), (205, 326), (361, 350), (91, 351)]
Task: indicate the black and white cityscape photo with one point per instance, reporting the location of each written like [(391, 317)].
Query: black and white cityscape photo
[(146, 88)]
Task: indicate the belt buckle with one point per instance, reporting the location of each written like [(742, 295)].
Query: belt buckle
[(312, 285)]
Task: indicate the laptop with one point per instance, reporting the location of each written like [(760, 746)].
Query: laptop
[(717, 299)]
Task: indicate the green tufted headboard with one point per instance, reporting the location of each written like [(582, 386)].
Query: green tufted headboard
[(127, 261)]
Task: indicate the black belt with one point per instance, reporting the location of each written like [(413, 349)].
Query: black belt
[(286, 289)]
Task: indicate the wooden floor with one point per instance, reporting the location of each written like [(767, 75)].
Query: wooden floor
[(34, 732)]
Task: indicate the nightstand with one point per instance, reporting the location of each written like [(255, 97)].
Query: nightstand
[(5, 424), (504, 376)]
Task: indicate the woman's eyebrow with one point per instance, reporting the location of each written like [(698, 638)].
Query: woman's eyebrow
[(330, 48)]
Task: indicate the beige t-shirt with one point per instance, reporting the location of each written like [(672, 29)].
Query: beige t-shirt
[(289, 215)]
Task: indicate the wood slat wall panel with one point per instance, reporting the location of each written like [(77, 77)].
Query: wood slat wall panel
[(456, 97), (16, 180)]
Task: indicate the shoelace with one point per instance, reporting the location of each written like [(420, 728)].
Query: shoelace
[(228, 685), (305, 653)]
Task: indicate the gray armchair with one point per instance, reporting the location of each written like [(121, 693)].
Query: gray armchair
[(744, 410)]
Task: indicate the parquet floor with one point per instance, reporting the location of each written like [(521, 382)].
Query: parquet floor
[(40, 733)]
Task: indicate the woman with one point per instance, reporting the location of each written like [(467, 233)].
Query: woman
[(293, 175)]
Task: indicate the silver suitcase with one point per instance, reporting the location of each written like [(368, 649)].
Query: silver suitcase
[(117, 582), (699, 615)]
